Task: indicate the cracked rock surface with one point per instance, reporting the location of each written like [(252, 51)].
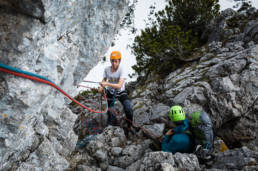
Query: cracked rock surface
[(221, 81), (61, 40)]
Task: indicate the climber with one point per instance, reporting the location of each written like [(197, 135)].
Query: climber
[(202, 132), (177, 140), (114, 82)]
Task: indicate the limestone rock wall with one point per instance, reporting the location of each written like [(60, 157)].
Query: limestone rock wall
[(113, 150), (223, 82), (58, 39)]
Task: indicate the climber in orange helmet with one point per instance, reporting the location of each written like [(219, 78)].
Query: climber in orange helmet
[(114, 81)]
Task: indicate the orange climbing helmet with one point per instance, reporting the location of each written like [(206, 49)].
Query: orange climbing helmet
[(115, 55)]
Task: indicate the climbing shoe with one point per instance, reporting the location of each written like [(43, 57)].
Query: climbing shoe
[(203, 154)]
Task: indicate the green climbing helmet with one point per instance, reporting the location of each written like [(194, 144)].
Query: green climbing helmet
[(177, 113)]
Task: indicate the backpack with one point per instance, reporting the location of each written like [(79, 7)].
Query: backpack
[(202, 132)]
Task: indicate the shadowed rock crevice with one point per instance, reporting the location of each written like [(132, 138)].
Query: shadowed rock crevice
[(31, 8), (37, 142), (3, 88)]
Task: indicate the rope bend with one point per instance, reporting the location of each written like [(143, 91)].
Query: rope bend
[(38, 78)]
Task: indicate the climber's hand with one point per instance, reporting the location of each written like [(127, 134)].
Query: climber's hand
[(170, 132), (104, 83)]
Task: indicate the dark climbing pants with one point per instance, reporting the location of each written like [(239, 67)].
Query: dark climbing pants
[(125, 101)]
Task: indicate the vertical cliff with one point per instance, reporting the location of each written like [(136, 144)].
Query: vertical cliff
[(58, 39)]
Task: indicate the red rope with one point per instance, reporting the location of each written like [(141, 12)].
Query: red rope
[(75, 101), (53, 85)]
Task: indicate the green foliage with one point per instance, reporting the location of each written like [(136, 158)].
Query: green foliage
[(173, 36), (104, 59), (157, 50), (245, 6), (192, 14)]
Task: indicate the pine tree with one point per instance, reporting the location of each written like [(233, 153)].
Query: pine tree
[(173, 36)]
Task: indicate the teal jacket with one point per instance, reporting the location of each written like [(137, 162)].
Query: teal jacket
[(179, 141)]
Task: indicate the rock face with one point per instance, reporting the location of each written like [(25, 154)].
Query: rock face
[(61, 40), (222, 82), (167, 161), (237, 159), (112, 150)]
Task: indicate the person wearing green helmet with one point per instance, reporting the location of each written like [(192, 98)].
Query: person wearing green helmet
[(177, 140), (202, 132)]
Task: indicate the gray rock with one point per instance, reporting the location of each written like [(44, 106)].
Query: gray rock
[(61, 40), (78, 159), (179, 98), (155, 161), (216, 27), (251, 30), (142, 112), (113, 168), (134, 166), (227, 13), (106, 155), (186, 161), (237, 159), (164, 161), (233, 26), (116, 151), (155, 128), (159, 112), (109, 138), (129, 155), (87, 168), (40, 158), (100, 155)]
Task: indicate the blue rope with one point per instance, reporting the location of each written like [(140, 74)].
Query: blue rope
[(24, 72), (16, 70)]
